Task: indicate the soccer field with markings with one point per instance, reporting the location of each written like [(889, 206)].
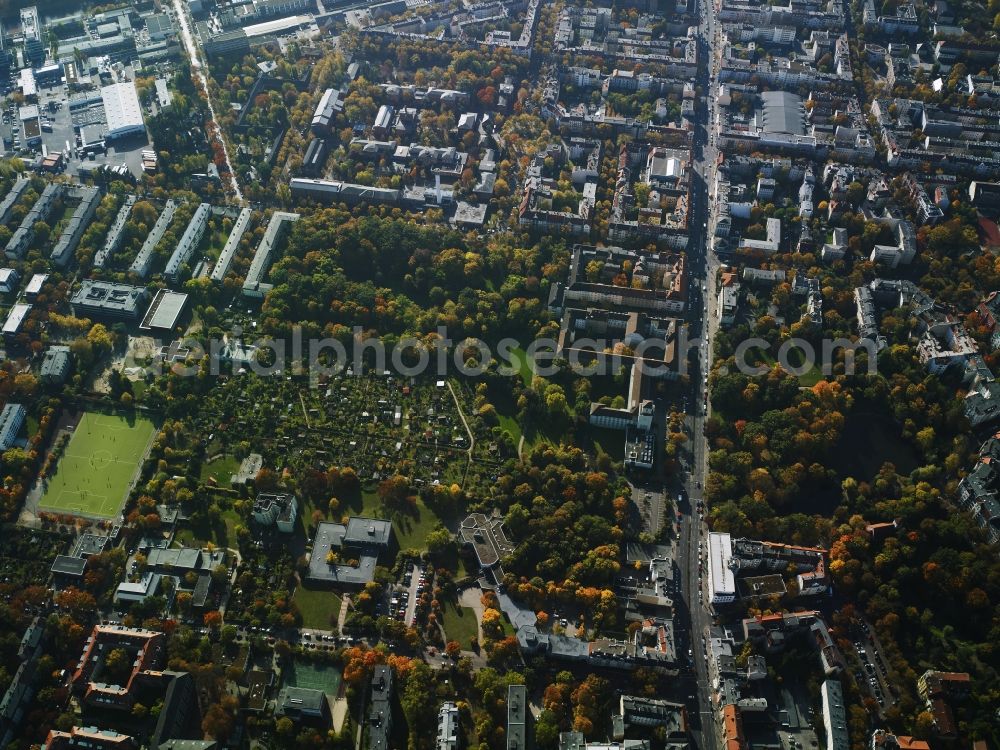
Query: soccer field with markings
[(94, 473)]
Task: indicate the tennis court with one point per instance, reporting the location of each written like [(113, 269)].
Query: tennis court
[(96, 471), (313, 677)]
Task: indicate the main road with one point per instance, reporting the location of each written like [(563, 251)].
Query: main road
[(199, 71), (702, 325)]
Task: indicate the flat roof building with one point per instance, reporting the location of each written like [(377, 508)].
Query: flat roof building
[(240, 227), (108, 299), (183, 559), (12, 419), (276, 509), (129, 592), (301, 703), (188, 243), (335, 191), (122, 111), (56, 366), (164, 311), (254, 285), (517, 717), (380, 710), (116, 234), (68, 566), (447, 735), (364, 538), (721, 578), (34, 287), (144, 258), (834, 716), (15, 320), (9, 279), (90, 198)]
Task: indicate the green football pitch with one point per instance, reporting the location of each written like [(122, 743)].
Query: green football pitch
[(95, 472)]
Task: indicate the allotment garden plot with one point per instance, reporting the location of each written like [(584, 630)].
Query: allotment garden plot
[(379, 424), (100, 462)]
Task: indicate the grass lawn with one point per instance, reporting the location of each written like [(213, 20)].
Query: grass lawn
[(411, 530), (508, 629), (222, 534), (524, 365), (460, 623), (220, 469), (95, 473), (510, 424), (319, 609)]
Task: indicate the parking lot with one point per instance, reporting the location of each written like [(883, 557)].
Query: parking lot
[(873, 675), (59, 123)]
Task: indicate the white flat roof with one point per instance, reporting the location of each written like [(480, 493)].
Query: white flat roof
[(26, 80), (277, 26), (720, 550), (121, 108), (16, 317), (35, 285), (164, 310)]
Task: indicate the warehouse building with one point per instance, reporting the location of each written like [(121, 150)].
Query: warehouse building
[(122, 111)]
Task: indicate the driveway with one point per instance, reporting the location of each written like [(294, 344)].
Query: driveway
[(411, 604)]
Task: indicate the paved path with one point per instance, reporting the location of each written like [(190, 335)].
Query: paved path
[(470, 597), (461, 414), (339, 709), (345, 604)]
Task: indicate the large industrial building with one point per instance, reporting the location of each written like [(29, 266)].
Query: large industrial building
[(122, 110)]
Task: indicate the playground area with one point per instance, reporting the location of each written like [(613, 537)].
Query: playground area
[(94, 474)]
